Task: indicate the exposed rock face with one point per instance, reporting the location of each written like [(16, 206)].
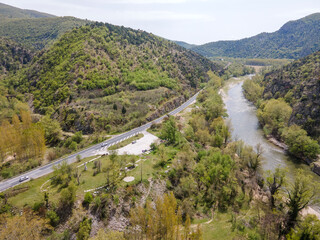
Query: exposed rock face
[(299, 84), (167, 107), (316, 167)]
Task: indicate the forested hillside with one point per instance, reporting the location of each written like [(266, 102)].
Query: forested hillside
[(102, 76), (293, 40), (12, 56), (40, 32), (299, 84), (9, 12)]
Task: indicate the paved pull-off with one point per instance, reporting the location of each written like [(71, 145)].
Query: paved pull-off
[(44, 170)]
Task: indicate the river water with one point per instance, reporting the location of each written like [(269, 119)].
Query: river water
[(242, 115)]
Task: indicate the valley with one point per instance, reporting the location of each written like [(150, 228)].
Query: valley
[(112, 132)]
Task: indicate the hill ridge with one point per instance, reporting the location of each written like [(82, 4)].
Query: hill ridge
[(295, 39)]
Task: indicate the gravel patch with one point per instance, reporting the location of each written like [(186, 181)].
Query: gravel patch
[(139, 145), (128, 179)]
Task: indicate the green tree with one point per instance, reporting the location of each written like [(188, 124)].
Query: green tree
[(52, 130), (67, 196), (170, 131), (274, 115), (87, 199), (308, 229), (124, 110), (300, 194), (53, 218), (299, 143), (275, 180), (62, 174), (84, 229)]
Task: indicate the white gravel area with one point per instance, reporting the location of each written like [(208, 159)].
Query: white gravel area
[(141, 144), (128, 179)]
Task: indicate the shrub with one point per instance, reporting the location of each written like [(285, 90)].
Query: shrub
[(53, 217), (84, 229), (87, 199)]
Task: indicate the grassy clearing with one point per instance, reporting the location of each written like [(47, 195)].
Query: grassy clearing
[(126, 142), (147, 170), (219, 228), (87, 181)]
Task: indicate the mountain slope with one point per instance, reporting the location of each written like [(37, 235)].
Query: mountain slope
[(9, 12), (107, 76), (299, 84), (38, 33), (12, 56), (293, 40), (185, 44)]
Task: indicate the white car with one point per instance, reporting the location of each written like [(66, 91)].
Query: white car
[(23, 178), (104, 144)]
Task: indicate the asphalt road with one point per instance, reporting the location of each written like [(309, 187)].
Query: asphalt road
[(44, 170)]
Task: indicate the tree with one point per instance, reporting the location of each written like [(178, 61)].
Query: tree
[(275, 180), (274, 115), (84, 229), (66, 201), (124, 110), (115, 107), (62, 174), (52, 130), (169, 131), (87, 199), (109, 235), (27, 226), (53, 217), (299, 195), (156, 223), (308, 229), (299, 143)]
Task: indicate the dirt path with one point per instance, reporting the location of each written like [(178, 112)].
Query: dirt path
[(144, 198)]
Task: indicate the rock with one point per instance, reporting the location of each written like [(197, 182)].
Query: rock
[(167, 107), (277, 143), (316, 167)]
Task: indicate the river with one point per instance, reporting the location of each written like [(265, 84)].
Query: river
[(242, 115)]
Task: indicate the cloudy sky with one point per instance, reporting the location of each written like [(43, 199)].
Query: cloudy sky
[(193, 21)]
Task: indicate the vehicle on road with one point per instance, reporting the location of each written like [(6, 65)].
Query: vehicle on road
[(104, 144), (23, 178)]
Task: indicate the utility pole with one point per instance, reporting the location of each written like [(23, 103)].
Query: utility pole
[(141, 169)]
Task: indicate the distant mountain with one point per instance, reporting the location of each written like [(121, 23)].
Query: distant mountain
[(299, 84), (105, 76), (293, 40), (9, 12), (185, 45)]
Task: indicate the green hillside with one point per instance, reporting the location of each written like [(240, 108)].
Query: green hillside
[(9, 12), (38, 33), (185, 44), (299, 84), (110, 77), (293, 40), (12, 56)]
